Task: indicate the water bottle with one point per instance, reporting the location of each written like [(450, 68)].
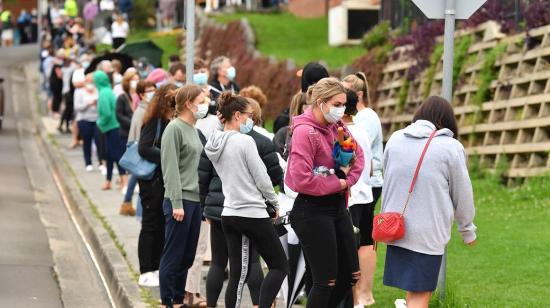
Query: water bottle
[(322, 171)]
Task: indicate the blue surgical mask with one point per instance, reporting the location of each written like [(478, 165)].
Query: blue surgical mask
[(178, 84), (231, 73), (247, 126), (200, 78)]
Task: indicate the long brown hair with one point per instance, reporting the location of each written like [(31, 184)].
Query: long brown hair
[(185, 94), (439, 112), (162, 105)]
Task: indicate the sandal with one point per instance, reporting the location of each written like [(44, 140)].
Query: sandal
[(106, 186), (194, 300)]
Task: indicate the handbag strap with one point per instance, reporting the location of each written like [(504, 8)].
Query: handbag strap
[(157, 133), (413, 182)]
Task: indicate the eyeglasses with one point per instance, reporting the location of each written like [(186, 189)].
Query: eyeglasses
[(250, 114)]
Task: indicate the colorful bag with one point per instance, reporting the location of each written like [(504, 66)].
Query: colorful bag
[(390, 226)]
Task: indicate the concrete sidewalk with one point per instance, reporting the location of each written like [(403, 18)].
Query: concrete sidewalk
[(125, 230)]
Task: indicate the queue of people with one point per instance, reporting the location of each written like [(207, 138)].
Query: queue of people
[(217, 167)]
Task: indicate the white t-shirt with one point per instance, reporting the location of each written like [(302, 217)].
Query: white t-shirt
[(361, 192), (120, 30), (369, 120)]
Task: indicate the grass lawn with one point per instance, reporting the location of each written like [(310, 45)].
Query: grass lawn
[(165, 40), (286, 36), (509, 265)]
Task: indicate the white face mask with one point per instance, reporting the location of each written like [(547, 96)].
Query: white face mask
[(334, 114), (201, 112), (90, 87), (149, 96), (133, 84)]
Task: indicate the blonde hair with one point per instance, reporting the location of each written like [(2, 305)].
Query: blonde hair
[(186, 94), (324, 90), (128, 76), (358, 82), (255, 93), (256, 110)]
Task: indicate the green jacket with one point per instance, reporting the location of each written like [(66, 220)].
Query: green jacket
[(71, 9), (106, 103)]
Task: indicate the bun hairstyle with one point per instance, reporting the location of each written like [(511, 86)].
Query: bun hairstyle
[(163, 103), (229, 103), (186, 94), (358, 83), (324, 90)]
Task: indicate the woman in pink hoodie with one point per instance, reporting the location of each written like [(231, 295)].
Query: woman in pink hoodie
[(319, 215)]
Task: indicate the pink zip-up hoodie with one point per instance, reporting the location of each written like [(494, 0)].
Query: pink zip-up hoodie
[(311, 146)]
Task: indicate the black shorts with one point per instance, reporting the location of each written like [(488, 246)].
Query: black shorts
[(362, 216)]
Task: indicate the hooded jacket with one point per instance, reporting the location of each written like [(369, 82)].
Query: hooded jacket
[(311, 147), (442, 190), (124, 114), (247, 185), (106, 103), (210, 184)]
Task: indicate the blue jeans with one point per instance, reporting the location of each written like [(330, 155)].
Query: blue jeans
[(88, 131), (132, 182), (114, 148), (180, 246)]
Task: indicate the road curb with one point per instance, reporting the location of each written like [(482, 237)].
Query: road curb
[(117, 272)]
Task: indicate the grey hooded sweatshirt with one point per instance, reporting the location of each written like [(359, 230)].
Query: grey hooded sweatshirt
[(443, 190), (245, 182)]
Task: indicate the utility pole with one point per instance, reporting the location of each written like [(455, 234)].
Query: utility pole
[(189, 39)]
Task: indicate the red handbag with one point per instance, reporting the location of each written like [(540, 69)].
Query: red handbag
[(390, 226)]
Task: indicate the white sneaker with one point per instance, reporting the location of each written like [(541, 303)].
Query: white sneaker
[(103, 170), (400, 303), (149, 279), (89, 168), (124, 190)]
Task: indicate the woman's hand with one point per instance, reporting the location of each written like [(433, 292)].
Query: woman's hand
[(178, 214), (220, 117), (343, 184), (276, 215), (346, 169)]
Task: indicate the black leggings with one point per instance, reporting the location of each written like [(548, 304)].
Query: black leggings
[(215, 276), (151, 236), (241, 233), (68, 112), (326, 234)]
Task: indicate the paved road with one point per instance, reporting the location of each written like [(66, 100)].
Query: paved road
[(43, 262)]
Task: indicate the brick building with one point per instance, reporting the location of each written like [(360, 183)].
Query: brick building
[(15, 6), (317, 8)]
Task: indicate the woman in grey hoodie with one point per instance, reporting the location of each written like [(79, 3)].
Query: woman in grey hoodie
[(443, 190), (246, 187)]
